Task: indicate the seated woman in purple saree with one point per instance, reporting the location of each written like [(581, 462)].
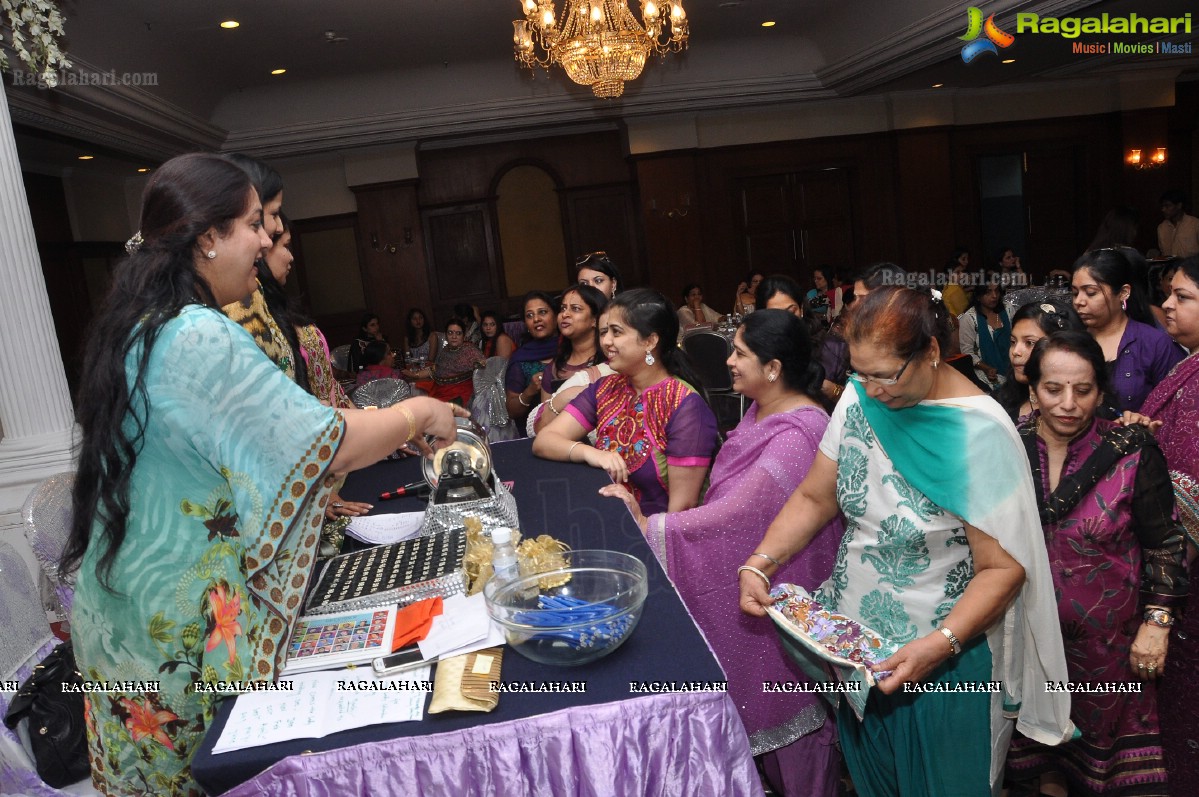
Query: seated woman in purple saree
[(760, 465)]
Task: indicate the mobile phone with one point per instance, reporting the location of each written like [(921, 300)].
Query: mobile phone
[(404, 659)]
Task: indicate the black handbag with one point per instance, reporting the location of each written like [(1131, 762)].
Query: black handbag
[(56, 728)]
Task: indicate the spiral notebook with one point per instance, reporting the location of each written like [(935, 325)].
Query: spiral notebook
[(391, 575)]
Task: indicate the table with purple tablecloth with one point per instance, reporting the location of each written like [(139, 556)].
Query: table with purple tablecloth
[(609, 740)]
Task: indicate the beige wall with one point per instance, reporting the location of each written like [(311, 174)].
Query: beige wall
[(530, 228)]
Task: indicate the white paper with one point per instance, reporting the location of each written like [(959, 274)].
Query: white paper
[(495, 636), (386, 529), (463, 620), (316, 707)]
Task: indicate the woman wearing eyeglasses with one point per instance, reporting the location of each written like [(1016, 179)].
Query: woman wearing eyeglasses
[(942, 555), (597, 270)]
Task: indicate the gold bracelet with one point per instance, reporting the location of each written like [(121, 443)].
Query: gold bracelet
[(768, 558), (408, 416), (756, 572), (551, 403), (571, 450), (521, 398)]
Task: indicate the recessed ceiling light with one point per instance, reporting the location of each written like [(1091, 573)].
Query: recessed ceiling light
[(1010, 61), (86, 157), (143, 170), (230, 24), (938, 85), (770, 23), (278, 71)]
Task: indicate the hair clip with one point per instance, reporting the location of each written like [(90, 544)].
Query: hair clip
[(134, 243), (935, 294)]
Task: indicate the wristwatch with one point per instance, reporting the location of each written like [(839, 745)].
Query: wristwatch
[(1159, 617)]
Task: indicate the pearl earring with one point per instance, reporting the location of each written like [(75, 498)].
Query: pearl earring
[(211, 254), (649, 357)]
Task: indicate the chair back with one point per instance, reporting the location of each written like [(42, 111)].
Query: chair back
[(47, 518), (23, 624), (708, 352), (340, 357), (516, 330), (381, 393), (488, 406)]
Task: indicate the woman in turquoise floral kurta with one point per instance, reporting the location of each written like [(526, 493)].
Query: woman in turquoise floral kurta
[(201, 485)]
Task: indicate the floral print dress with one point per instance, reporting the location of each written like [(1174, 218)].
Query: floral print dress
[(226, 502)]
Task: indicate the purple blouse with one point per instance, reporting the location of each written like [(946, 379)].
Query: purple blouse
[(1145, 358), (668, 424)]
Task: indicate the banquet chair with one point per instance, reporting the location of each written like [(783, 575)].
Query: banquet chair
[(382, 393), (488, 406), (708, 352), (340, 357), (47, 518), (27, 640)]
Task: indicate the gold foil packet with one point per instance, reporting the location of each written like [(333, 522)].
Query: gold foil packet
[(463, 683)]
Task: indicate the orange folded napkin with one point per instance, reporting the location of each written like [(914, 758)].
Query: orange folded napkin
[(413, 622)]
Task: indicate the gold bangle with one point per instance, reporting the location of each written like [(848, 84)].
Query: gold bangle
[(768, 558), (521, 398), (756, 572), (570, 451), (408, 416), (551, 403)]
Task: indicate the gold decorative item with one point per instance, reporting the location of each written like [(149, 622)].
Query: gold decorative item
[(598, 42), (536, 555)]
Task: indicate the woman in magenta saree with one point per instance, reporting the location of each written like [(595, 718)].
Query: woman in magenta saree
[(1175, 403), (1116, 552), (761, 463)]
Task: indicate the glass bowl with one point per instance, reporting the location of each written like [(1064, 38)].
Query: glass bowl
[(576, 622)]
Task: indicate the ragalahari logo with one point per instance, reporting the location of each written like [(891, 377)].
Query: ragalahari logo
[(975, 27)]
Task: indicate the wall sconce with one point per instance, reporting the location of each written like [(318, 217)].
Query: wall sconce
[(391, 248), (674, 213), (1137, 161)]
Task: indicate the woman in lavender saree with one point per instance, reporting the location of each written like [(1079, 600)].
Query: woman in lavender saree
[(761, 464)]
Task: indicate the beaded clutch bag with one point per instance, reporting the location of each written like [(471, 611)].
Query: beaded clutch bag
[(824, 643)]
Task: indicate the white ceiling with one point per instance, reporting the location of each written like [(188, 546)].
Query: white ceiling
[(419, 71)]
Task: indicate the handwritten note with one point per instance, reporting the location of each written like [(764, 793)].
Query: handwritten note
[(320, 703)]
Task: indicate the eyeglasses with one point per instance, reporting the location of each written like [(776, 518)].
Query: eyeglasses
[(878, 380), (583, 260)]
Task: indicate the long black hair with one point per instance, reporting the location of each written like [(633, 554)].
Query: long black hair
[(186, 197), (1114, 268), (1074, 342), (285, 310), (779, 335), (599, 261), (410, 331), (648, 311), (595, 299)]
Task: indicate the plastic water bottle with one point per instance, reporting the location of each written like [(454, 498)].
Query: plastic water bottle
[(504, 565)]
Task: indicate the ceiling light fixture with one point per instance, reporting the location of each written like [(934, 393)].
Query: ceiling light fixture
[(86, 157), (230, 24), (770, 23), (599, 42), (938, 85), (143, 170), (1008, 61), (278, 71)]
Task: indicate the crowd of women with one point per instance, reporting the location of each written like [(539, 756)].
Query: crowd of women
[(1034, 536)]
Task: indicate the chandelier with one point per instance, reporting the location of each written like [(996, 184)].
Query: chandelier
[(599, 42)]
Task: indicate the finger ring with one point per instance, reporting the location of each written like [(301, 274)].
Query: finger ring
[(1141, 666), (337, 505)]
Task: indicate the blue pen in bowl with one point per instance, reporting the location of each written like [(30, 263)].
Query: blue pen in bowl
[(583, 619)]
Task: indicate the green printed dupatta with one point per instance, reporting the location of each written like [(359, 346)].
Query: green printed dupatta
[(989, 486)]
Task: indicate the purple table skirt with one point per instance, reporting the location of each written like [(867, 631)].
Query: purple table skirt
[(668, 744)]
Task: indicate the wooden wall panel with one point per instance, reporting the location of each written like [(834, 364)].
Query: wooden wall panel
[(603, 219), (393, 282), (461, 246), (924, 198), (672, 209)]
